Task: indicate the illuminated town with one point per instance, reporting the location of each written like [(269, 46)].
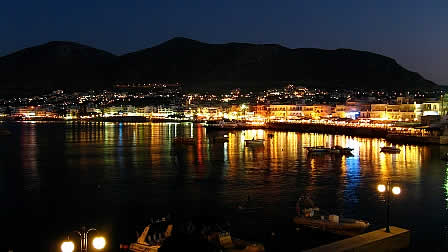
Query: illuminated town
[(406, 112)]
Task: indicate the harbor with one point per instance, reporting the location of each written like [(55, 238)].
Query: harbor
[(211, 177)]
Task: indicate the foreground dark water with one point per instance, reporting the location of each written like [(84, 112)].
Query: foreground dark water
[(115, 176)]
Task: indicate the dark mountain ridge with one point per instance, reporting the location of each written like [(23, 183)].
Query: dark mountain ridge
[(68, 65)]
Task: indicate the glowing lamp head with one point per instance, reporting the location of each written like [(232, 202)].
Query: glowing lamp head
[(381, 188), (99, 242), (396, 190), (67, 246)]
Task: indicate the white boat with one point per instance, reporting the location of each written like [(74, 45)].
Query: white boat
[(317, 149), (152, 237), (390, 149), (310, 216), (254, 142)]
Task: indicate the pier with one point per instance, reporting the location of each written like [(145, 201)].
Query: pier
[(398, 239)]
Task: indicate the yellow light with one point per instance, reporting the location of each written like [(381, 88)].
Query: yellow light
[(99, 242), (67, 246), (381, 188), (396, 190)]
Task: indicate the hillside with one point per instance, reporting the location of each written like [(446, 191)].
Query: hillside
[(54, 65), (70, 65), (197, 63)]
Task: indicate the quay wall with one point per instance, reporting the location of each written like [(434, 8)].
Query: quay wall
[(417, 139), (398, 239)]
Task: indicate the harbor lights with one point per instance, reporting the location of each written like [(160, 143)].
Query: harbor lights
[(98, 242), (387, 188), (67, 246)]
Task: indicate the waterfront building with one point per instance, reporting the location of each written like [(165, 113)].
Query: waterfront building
[(260, 110), (349, 110), (71, 113), (402, 112), (317, 111), (432, 108), (365, 110), (378, 111), (209, 113), (113, 111), (284, 112), (444, 104), (32, 112), (163, 112)]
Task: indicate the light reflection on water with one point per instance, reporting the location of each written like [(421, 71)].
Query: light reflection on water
[(117, 167)]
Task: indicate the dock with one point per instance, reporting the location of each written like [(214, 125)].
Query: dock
[(378, 240)]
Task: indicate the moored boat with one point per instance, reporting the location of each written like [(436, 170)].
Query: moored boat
[(311, 217), (152, 237), (254, 142), (390, 149), (318, 149), (183, 140), (343, 150), (335, 225)]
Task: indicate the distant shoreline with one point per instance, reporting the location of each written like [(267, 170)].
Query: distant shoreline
[(280, 126), (369, 132)]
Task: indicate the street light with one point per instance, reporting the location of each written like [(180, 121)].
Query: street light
[(67, 246), (388, 189), (98, 242)]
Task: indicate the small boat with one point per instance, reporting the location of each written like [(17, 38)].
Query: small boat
[(152, 237), (342, 150), (318, 149), (254, 142), (311, 217), (390, 149), (183, 140)]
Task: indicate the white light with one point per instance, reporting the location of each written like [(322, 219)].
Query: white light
[(381, 188), (396, 190), (99, 242), (67, 246)]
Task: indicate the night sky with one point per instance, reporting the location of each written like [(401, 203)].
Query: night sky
[(413, 32)]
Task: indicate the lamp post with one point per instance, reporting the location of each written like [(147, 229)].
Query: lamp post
[(388, 189), (98, 242)]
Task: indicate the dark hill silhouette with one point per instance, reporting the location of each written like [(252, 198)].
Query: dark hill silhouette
[(196, 64), (54, 65)]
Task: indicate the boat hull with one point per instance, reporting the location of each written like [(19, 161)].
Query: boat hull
[(254, 142), (346, 229), (390, 150)]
